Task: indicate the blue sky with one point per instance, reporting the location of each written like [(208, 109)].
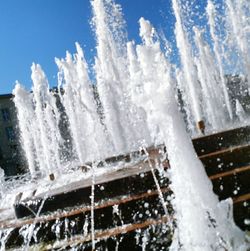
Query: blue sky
[(40, 30)]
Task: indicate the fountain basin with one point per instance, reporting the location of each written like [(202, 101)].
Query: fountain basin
[(127, 200)]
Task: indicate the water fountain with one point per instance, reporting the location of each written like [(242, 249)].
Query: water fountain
[(69, 134)]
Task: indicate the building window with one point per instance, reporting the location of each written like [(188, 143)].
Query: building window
[(5, 114), (10, 133), (1, 153), (14, 150)]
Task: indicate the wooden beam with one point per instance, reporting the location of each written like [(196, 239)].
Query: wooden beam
[(104, 234), (229, 173), (241, 198), (224, 151), (221, 140), (58, 215)]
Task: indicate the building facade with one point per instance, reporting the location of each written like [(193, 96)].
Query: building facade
[(10, 151)]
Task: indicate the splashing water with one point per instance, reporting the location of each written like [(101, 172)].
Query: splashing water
[(132, 103), (211, 13), (189, 71), (207, 73)]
